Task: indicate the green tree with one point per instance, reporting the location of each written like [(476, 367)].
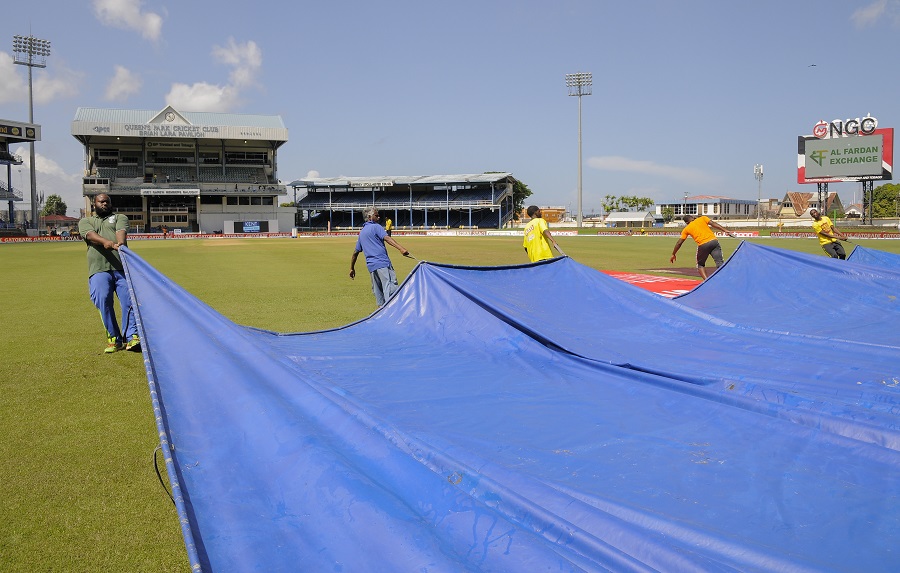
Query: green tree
[(886, 200), (668, 214), (610, 203), (520, 193), (626, 203), (54, 206), (644, 203), (637, 203)]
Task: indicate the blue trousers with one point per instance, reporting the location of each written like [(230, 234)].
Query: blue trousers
[(384, 284), (103, 286)]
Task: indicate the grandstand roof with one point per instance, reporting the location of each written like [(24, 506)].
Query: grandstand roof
[(193, 117), (387, 181), (170, 122), (16, 131)]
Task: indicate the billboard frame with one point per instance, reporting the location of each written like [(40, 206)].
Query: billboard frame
[(887, 159)]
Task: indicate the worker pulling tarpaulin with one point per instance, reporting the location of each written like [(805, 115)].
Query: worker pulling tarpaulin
[(537, 417)]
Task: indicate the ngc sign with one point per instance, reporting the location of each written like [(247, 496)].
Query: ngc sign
[(845, 128)]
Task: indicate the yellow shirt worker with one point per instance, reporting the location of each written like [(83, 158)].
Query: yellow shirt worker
[(698, 228), (537, 237), (828, 235)]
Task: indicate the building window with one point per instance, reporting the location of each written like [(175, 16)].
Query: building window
[(176, 219)]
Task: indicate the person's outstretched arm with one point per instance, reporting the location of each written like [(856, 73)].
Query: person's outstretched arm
[(715, 225), (397, 246), (834, 233), (551, 240), (675, 250), (94, 238)]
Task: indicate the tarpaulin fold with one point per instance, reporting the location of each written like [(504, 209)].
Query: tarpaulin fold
[(874, 257), (542, 417)]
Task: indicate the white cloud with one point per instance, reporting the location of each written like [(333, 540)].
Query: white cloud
[(51, 179), (13, 86), (312, 174), (202, 96), (869, 15), (127, 15), (62, 83), (124, 83), (681, 174), (45, 166), (246, 61)]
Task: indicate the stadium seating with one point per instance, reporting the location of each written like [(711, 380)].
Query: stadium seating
[(468, 208)]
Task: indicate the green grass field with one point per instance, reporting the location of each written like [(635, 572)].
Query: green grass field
[(80, 492)]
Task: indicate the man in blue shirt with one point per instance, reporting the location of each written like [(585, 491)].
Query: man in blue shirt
[(371, 241)]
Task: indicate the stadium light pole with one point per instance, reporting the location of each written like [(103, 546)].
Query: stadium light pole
[(758, 173), (32, 52), (579, 84)]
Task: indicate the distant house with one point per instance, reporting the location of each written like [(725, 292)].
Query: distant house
[(549, 214), (59, 223), (630, 219), (796, 204), (712, 206), (854, 211)]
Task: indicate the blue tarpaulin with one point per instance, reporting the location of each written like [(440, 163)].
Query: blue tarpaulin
[(542, 417), (874, 257)]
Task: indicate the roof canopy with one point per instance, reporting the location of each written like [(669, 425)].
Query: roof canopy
[(397, 180), (172, 123)]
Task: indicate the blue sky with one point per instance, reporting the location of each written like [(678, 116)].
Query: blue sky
[(687, 95)]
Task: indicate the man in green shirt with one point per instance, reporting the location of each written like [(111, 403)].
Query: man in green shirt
[(104, 233)]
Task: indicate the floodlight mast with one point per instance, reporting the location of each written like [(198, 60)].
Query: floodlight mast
[(32, 52), (579, 84), (758, 174)]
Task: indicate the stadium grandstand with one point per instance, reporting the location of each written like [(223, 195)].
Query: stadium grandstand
[(13, 132), (187, 171), (483, 200)]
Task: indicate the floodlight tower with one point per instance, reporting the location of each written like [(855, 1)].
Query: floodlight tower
[(758, 173), (32, 52), (579, 84)]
